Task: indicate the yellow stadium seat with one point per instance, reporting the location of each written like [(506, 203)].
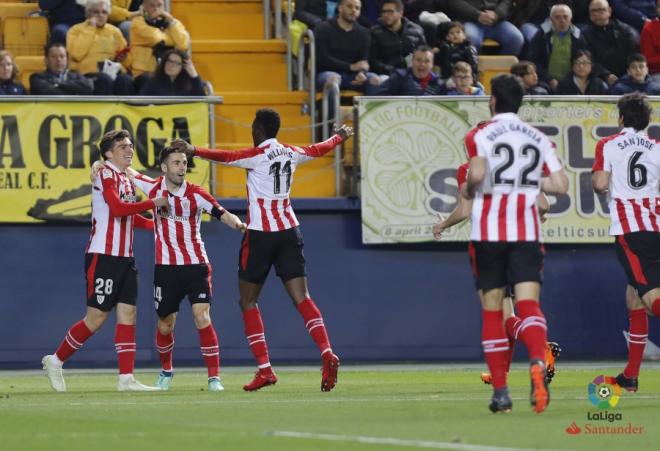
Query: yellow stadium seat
[(492, 65), (29, 65), (25, 35), (17, 9)]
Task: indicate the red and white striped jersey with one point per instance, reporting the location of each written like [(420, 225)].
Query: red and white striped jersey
[(270, 167), (113, 206), (177, 230), (461, 174), (633, 161), (504, 207)]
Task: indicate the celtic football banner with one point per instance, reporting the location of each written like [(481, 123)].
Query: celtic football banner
[(410, 149), (46, 150)]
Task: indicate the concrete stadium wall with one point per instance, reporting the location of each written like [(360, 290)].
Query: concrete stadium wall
[(379, 303)]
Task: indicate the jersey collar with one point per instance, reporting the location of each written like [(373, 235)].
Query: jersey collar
[(179, 193), (268, 142), (631, 131), (505, 116), (111, 165)]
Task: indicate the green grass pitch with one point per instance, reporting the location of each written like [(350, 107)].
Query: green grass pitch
[(372, 408)]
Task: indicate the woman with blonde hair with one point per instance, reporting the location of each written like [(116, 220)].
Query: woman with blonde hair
[(8, 73)]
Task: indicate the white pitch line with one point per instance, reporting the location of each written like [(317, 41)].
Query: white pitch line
[(393, 441)]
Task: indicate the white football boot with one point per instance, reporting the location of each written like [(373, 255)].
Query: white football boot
[(54, 373), (127, 382)]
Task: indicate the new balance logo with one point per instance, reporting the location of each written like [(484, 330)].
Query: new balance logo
[(100, 298), (202, 296)]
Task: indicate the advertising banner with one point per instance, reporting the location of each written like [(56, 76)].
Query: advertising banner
[(410, 149), (47, 149)]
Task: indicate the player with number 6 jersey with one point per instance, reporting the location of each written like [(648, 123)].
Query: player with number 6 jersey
[(627, 168), (109, 264), (273, 238)]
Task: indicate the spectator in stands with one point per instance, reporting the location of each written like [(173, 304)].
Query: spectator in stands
[(526, 70), (62, 15), (342, 49), (120, 16), (581, 80), (488, 19), (313, 12), (455, 47), (176, 76), (553, 45), (650, 44), (430, 14), (529, 15), (8, 73), (393, 39), (634, 12), (152, 34), (418, 80), (637, 78), (610, 41), (91, 43), (57, 79), (462, 82)]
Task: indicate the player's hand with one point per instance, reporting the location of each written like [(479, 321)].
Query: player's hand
[(96, 168), (438, 228), (161, 202), (241, 226), (344, 132), (188, 148)]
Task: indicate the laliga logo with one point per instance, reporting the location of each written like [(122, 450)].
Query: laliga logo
[(604, 392)]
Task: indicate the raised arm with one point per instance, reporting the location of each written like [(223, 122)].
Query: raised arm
[(319, 149)]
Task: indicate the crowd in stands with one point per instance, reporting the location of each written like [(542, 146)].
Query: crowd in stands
[(378, 47), (577, 47), (103, 47)]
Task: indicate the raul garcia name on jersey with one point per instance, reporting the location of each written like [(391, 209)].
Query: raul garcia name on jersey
[(519, 127)]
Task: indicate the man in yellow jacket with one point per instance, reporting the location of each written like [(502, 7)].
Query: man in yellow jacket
[(91, 43), (121, 17), (154, 32)]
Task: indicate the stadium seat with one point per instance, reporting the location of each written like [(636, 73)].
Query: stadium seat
[(492, 65), (28, 66), (490, 47), (25, 35)]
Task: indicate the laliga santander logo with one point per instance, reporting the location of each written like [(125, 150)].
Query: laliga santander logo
[(604, 392), (573, 429)]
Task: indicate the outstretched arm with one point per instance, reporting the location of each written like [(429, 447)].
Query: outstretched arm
[(460, 213), (229, 219), (319, 149)]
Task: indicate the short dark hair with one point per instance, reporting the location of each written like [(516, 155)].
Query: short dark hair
[(635, 58), (522, 68), (398, 3), (508, 91), (635, 110), (454, 24), (269, 121), (109, 139), (423, 48), (174, 147), (52, 44), (581, 52)]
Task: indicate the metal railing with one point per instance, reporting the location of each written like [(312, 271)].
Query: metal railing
[(276, 17), (308, 38), (331, 91)]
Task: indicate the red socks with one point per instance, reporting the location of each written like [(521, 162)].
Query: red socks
[(314, 325), (125, 346), (512, 327), (73, 340), (533, 330), (208, 343), (165, 345), (254, 332), (495, 345), (639, 329), (655, 307)]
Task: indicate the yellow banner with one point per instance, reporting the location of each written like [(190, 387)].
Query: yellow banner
[(410, 149), (46, 150)]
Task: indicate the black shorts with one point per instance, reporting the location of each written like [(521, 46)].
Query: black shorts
[(639, 254), (172, 283), (500, 264), (110, 280), (261, 250)]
